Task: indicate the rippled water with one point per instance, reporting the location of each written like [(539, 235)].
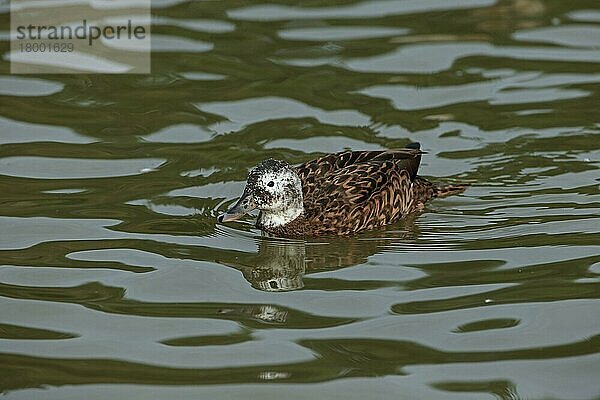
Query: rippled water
[(116, 282)]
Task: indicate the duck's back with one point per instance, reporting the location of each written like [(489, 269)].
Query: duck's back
[(352, 191)]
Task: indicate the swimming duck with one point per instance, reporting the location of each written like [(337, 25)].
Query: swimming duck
[(337, 194)]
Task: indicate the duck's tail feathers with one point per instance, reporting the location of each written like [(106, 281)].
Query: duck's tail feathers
[(444, 190), (415, 146)]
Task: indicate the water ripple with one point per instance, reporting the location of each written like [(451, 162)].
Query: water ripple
[(115, 277)]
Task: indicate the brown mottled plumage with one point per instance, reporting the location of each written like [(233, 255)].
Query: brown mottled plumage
[(347, 192)]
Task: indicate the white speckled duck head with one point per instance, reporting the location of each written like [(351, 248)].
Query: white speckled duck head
[(274, 188)]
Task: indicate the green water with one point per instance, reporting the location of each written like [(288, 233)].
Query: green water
[(116, 281)]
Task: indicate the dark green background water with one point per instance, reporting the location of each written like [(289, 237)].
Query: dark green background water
[(117, 283)]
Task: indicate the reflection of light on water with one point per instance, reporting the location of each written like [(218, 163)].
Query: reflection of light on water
[(96, 4), (437, 57), (202, 76), (339, 33), (200, 25), (71, 61), (73, 168), (324, 144), (181, 133), (273, 375), (19, 86), (516, 89), (64, 191), (245, 112), (367, 9), (165, 209), (166, 43), (125, 44)]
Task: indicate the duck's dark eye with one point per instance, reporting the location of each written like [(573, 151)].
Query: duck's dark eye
[(271, 184)]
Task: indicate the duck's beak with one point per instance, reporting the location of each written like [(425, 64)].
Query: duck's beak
[(243, 206)]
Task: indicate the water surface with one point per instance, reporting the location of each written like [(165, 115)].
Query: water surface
[(117, 282)]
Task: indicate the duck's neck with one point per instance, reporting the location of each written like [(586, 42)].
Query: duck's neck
[(275, 219)]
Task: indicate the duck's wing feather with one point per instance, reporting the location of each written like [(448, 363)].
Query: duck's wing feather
[(363, 195), (313, 173)]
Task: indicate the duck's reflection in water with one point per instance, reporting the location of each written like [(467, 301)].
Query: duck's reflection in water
[(280, 264)]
